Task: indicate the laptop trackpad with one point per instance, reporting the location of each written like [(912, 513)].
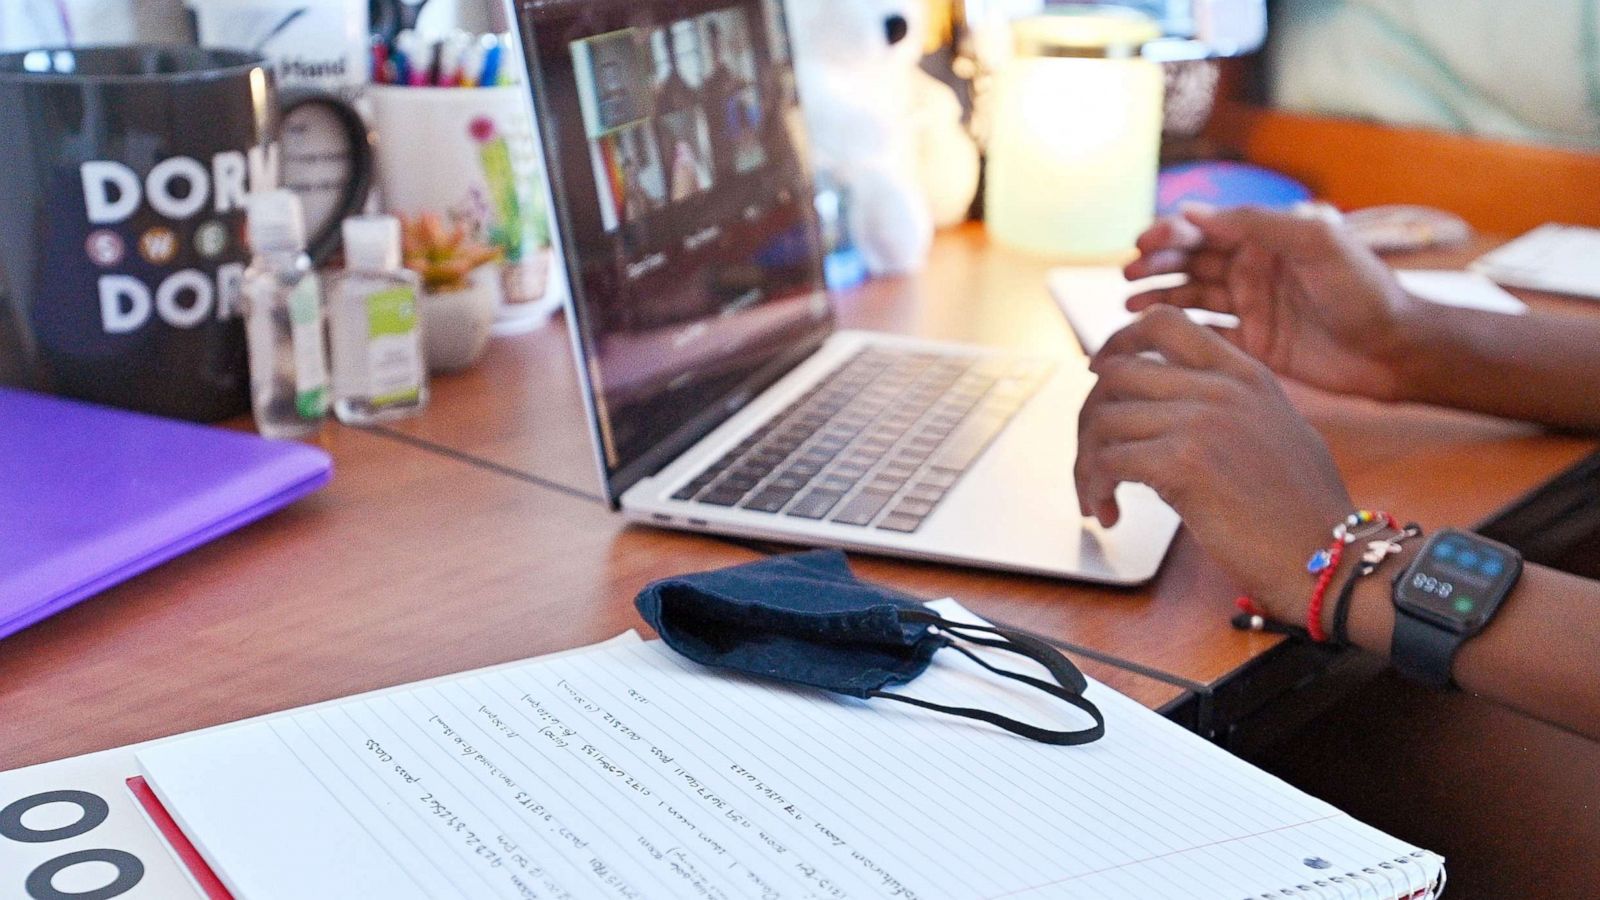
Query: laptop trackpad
[(1019, 506)]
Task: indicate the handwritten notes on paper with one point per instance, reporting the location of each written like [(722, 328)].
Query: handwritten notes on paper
[(505, 787), (631, 773)]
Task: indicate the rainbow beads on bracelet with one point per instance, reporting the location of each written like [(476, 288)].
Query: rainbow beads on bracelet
[(1363, 524)]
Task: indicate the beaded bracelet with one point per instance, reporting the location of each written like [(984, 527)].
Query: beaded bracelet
[(1358, 526), (1325, 563), (1377, 552)]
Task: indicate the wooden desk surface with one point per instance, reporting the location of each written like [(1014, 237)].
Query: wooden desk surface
[(474, 535), (522, 410), (410, 564)]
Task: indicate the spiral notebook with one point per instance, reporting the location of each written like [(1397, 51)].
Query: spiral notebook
[(631, 772)]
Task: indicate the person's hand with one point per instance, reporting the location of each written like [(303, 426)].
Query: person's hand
[(1211, 430), (1313, 303)]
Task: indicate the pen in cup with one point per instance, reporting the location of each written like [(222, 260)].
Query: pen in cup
[(457, 60)]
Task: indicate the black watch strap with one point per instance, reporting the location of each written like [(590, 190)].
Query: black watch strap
[(1423, 651)]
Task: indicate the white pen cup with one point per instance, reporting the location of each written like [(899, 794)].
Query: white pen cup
[(469, 156)]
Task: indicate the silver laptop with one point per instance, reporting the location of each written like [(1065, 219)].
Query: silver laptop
[(722, 397)]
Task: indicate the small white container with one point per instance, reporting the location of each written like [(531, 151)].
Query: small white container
[(283, 322), (456, 324), (378, 369)]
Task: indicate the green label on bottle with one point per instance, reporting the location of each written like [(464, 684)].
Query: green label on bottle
[(310, 360), (392, 312), (311, 404), (394, 361)]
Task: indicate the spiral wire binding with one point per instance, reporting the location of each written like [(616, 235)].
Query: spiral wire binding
[(1398, 883)]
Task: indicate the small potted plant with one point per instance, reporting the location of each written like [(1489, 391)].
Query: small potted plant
[(461, 290)]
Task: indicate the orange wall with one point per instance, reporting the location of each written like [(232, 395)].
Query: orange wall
[(1500, 188)]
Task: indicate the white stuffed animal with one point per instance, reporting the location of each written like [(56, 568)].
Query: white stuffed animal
[(886, 131)]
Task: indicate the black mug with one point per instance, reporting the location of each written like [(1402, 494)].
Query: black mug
[(124, 173)]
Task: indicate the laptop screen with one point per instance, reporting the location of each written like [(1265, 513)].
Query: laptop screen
[(674, 139)]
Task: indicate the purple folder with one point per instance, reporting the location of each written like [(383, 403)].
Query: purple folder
[(90, 496)]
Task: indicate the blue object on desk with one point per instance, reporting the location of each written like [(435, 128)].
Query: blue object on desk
[(844, 268), (806, 619), (1225, 184), (803, 618), (91, 496)]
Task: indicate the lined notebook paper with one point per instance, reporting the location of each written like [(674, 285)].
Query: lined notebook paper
[(630, 772)]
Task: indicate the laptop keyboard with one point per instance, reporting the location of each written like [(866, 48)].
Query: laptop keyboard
[(878, 444)]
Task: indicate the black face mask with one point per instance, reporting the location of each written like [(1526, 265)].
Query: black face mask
[(805, 619)]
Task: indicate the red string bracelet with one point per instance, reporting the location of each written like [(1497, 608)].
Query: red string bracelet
[(1329, 560), (1324, 564)]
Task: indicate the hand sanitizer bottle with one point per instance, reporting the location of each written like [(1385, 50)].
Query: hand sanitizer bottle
[(378, 370), (283, 321)]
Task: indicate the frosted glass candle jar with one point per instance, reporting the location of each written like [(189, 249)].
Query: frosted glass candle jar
[(1077, 135)]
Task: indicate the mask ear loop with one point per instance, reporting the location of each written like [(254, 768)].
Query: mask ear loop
[(1069, 687)]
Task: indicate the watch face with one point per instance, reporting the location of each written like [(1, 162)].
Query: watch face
[(1458, 581)]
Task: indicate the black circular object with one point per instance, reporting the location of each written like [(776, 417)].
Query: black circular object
[(130, 871), (94, 807)]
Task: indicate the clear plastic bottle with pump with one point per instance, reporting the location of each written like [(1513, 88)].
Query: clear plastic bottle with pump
[(284, 321), (378, 369)]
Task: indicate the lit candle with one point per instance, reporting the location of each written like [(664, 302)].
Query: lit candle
[(1077, 135)]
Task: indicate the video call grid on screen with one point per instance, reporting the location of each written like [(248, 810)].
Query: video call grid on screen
[(674, 133), (669, 111)]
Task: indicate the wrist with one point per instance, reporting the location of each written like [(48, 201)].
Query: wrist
[(1352, 571), (1367, 595), (1414, 348), (1285, 600), (1371, 622)]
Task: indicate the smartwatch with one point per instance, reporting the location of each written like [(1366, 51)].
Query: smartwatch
[(1448, 594)]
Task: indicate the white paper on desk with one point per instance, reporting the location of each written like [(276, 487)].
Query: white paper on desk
[(1560, 258), (104, 775), (1094, 298), (1466, 290), (632, 772)]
